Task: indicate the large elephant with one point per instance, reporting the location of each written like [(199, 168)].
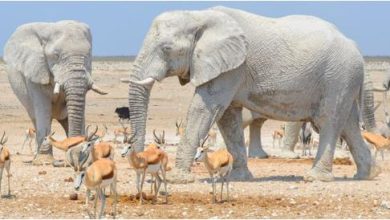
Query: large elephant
[(295, 68), (49, 69)]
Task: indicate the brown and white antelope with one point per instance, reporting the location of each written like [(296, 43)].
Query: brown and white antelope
[(98, 176), (379, 142), (218, 163), (121, 131), (5, 161), (102, 132), (277, 135), (29, 136), (147, 161), (68, 142)]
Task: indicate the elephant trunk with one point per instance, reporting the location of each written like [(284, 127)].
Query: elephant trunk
[(75, 90), (368, 103)]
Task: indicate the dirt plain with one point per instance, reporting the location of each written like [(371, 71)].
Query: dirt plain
[(277, 191)]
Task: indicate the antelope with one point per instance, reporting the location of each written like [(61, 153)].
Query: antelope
[(121, 131), (157, 147), (30, 135), (219, 162), (148, 161), (101, 133), (5, 161), (179, 128), (305, 135), (277, 135), (69, 142), (212, 133), (98, 176), (379, 142)]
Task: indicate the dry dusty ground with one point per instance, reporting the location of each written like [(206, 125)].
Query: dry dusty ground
[(276, 191)]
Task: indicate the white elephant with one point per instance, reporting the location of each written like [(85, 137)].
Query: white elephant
[(49, 69), (294, 68)]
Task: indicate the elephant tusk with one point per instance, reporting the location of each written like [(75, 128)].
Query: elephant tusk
[(148, 82), (57, 88), (98, 90), (125, 80), (376, 89)]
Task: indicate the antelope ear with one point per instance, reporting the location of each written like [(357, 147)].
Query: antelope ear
[(221, 46), (24, 52), (183, 81)]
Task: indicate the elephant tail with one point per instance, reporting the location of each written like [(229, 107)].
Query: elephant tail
[(366, 99)]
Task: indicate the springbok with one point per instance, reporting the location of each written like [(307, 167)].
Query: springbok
[(277, 135), (29, 136), (148, 161), (379, 142), (219, 162), (98, 176), (5, 161)]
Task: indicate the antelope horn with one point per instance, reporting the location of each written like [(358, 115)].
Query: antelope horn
[(156, 139), (57, 87), (98, 90), (204, 140), (163, 137), (1, 140), (86, 130), (93, 133), (5, 141)]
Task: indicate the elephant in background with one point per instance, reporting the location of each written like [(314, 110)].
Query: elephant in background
[(294, 68), (49, 69)]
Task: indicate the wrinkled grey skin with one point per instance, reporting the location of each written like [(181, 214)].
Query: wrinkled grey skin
[(290, 138), (38, 57), (236, 59)]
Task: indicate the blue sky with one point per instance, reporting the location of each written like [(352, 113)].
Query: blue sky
[(118, 28)]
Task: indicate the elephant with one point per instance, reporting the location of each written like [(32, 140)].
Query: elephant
[(49, 69), (294, 68)]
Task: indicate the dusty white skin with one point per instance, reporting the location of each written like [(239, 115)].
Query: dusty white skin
[(49, 69), (236, 59)]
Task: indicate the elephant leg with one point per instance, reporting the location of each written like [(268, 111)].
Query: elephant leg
[(255, 149), (207, 106), (331, 120), (290, 139), (366, 168), (42, 113), (64, 124), (233, 135)]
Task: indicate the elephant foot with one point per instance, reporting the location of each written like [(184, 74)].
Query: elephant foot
[(240, 174), (365, 175), (43, 159), (315, 174), (257, 152), (178, 176), (288, 154)]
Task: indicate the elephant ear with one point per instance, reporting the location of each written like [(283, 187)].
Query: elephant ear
[(221, 47), (24, 52)]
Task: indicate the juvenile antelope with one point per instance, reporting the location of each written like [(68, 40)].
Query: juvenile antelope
[(121, 131), (29, 136), (277, 135), (379, 142), (98, 176), (5, 161), (148, 161), (218, 163)]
